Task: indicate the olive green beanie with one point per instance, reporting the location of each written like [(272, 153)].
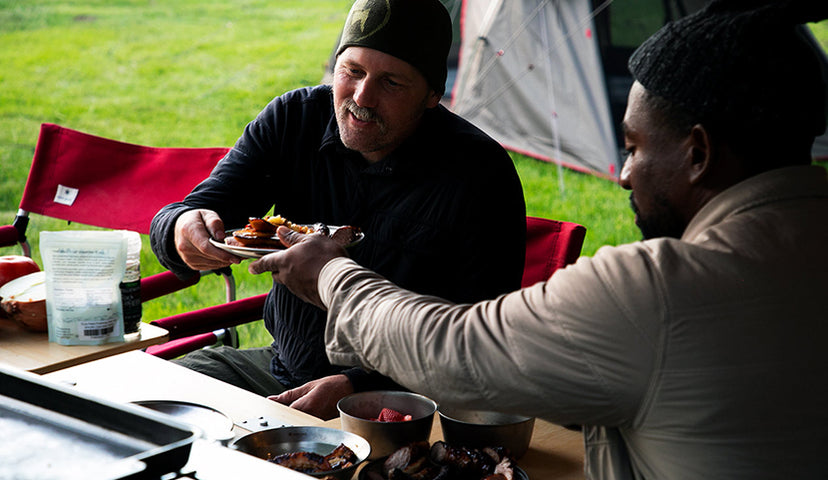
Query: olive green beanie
[(415, 31)]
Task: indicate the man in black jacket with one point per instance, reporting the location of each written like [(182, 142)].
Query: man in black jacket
[(374, 150)]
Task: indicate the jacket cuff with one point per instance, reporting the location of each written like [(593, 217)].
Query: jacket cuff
[(364, 381)]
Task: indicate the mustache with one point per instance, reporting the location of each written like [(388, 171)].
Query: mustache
[(362, 113)]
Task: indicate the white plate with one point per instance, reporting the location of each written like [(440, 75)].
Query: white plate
[(254, 252), (244, 252)]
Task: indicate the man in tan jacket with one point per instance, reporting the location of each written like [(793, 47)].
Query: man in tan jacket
[(699, 352)]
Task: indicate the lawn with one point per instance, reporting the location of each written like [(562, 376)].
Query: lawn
[(192, 73)]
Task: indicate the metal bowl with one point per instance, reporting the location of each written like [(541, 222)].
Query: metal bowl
[(482, 428), (357, 410), (266, 444)]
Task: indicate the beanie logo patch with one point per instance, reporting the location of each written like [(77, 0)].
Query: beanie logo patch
[(367, 17)]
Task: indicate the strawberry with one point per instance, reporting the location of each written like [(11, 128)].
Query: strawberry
[(389, 415)]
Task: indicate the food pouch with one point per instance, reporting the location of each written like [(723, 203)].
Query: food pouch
[(84, 270)]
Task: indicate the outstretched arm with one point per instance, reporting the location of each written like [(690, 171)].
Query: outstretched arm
[(298, 267)]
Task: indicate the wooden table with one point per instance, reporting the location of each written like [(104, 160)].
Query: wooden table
[(135, 376), (555, 453), (32, 351)]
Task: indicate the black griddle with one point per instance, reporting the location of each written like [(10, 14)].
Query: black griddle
[(50, 431)]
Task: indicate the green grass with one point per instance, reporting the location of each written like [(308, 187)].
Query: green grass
[(184, 73), (192, 73)]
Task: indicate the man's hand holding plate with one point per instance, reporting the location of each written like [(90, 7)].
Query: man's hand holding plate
[(298, 266)]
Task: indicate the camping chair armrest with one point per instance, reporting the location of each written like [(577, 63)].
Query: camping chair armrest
[(166, 282), (176, 348), (8, 236), (11, 235), (163, 283), (213, 318)]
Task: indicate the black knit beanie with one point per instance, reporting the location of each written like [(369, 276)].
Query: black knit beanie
[(741, 64), (416, 31)]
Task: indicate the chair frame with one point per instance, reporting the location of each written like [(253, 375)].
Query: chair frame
[(60, 149)]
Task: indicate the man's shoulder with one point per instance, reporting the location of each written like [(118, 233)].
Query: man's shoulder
[(299, 107), (320, 94), (453, 132), (452, 124)]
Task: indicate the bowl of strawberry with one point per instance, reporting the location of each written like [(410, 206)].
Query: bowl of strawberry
[(387, 419)]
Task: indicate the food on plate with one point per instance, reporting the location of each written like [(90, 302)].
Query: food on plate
[(278, 220), (261, 233), (412, 461), (472, 462), (441, 461), (390, 415), (310, 462), (341, 457)]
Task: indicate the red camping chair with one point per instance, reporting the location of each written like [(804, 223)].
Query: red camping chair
[(100, 182), (193, 330), (550, 244)]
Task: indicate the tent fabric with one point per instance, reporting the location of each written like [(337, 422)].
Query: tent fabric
[(530, 75), (549, 79)]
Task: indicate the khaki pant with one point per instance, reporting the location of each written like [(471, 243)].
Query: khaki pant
[(248, 369)]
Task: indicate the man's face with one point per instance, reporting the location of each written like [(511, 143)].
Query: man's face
[(379, 100), (654, 170)]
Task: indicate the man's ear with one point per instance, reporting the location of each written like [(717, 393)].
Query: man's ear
[(433, 99), (700, 154)]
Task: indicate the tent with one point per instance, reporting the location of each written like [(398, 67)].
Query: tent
[(549, 79)]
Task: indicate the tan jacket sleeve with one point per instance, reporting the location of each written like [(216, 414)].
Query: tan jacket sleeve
[(545, 350)]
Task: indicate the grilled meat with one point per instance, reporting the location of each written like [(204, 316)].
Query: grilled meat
[(305, 462), (408, 459), (441, 461), (341, 457), (261, 232), (310, 462), (467, 462)]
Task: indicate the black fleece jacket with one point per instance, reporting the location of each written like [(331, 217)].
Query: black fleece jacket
[(443, 214)]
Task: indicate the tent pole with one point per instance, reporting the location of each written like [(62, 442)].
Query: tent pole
[(553, 117)]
